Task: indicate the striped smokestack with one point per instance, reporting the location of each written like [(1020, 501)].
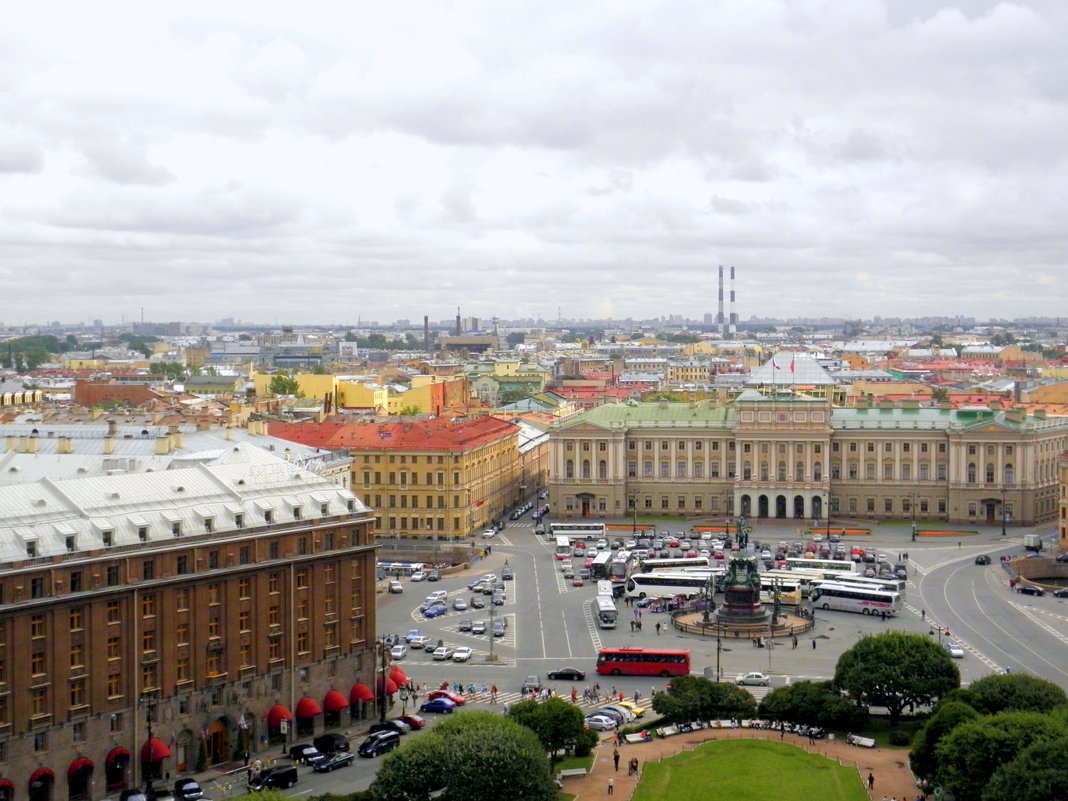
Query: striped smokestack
[(720, 320), (733, 325)]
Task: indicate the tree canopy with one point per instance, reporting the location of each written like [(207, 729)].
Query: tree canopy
[(1038, 773), (1019, 692), (555, 722), (698, 698), (471, 756), (284, 384), (896, 670), (947, 716), (971, 752), (815, 703)]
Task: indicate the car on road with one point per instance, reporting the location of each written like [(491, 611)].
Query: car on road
[(459, 604), (1030, 589), (331, 761), (331, 743), (954, 649), (602, 545), (489, 532), (478, 627), (498, 628), (279, 777), (398, 652), (419, 575), (441, 706), (414, 721), (433, 575), (566, 674), (1061, 593), (477, 602), (530, 684), (381, 742), (754, 677), (188, 790), (465, 624), (507, 574), (433, 695), (462, 654), (396, 725), (620, 712), (600, 722), (396, 587), (442, 652), (1062, 558), (636, 710), (435, 610)]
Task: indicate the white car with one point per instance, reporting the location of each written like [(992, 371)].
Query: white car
[(419, 642), (602, 545), (442, 652), (489, 532), (954, 649), (396, 586), (419, 575), (398, 651), (462, 654), (754, 677)]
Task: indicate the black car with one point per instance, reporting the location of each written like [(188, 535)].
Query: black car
[(338, 760), (567, 674), (1061, 593), (331, 743), (277, 778), (188, 790), (1030, 589), (381, 742), (390, 725), (982, 559), (1062, 558)]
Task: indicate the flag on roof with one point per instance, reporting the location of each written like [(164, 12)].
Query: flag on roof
[(791, 364), (773, 364)]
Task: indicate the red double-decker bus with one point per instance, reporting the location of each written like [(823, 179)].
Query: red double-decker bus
[(629, 661)]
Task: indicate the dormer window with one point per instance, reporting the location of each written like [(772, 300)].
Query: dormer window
[(108, 537), (239, 521), (142, 533)]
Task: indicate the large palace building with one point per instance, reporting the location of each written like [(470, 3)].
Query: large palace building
[(152, 622), (776, 454)]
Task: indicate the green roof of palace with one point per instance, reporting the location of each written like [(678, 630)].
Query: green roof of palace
[(642, 415)]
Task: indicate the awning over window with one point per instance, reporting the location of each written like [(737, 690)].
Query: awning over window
[(41, 776), (154, 750), (7, 790), (399, 677), (391, 686), (117, 755), (360, 693), (276, 714), (81, 765), (308, 708), (334, 701)]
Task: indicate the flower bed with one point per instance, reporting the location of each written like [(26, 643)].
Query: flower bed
[(938, 532), (851, 532)]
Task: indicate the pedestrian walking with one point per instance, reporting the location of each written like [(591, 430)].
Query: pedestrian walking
[(611, 785), (793, 644), (637, 695), (923, 614), (871, 782), (813, 643), (658, 628), (615, 758)]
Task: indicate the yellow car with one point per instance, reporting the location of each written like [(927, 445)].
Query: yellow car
[(637, 710)]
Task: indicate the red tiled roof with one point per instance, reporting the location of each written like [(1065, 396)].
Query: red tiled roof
[(437, 434)]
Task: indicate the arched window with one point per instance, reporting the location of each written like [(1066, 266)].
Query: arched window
[(602, 469), (989, 472), (747, 471), (764, 471), (1010, 474), (569, 469), (799, 471), (971, 472), (586, 468), (817, 471), (780, 471)]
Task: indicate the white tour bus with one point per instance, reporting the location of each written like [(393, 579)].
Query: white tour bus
[(605, 589), (652, 564), (620, 566), (599, 568), (667, 585), (892, 584), (606, 612), (563, 547), (802, 578), (829, 567), (577, 531), (789, 591), (846, 597)]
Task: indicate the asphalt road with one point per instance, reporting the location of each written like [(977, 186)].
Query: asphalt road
[(551, 625)]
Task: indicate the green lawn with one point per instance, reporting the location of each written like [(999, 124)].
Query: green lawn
[(748, 770)]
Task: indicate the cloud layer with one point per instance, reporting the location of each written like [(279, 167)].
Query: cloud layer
[(334, 161)]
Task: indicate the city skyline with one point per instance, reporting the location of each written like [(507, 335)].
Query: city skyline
[(891, 159)]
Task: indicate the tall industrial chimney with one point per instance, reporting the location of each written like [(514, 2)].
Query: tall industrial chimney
[(720, 321), (733, 325), (426, 332), (459, 326)]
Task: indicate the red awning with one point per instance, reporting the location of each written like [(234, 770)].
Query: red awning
[(334, 701), (7, 789), (41, 776), (276, 714), (154, 750), (360, 693), (116, 754), (79, 765), (399, 677), (391, 686), (308, 708)]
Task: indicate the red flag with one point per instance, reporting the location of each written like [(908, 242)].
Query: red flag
[(791, 364)]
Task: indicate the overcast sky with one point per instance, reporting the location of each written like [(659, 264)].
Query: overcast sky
[(329, 162)]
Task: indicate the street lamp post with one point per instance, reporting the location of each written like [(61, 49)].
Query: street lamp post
[(1003, 511), (719, 650), (912, 509), (634, 517), (381, 683)]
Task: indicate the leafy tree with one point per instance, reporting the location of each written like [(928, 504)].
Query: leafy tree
[(897, 670), (698, 698), (284, 384), (1016, 692), (1038, 773), (556, 722), (409, 411), (969, 755), (947, 716), (815, 703), (515, 338), (318, 369), (244, 338), (171, 370), (472, 756), (36, 356)]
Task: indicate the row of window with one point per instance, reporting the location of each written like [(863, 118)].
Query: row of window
[(406, 458), (782, 448)]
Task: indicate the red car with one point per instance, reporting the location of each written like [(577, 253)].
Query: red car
[(717, 555), (673, 543), (459, 700), (414, 721)]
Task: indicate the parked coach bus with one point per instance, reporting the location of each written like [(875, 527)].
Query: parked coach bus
[(577, 531), (855, 598), (606, 612), (628, 661)]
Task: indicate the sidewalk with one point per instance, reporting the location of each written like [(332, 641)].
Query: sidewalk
[(890, 769)]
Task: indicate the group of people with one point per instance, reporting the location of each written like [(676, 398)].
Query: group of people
[(471, 691)]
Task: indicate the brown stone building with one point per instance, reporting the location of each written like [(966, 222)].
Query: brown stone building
[(151, 620)]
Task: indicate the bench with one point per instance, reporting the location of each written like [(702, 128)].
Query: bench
[(564, 774), (861, 742), (640, 737), (668, 731)]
